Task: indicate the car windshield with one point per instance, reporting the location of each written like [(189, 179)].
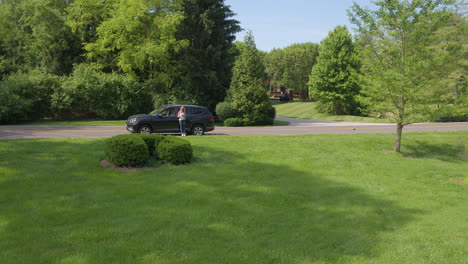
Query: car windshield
[(157, 110)]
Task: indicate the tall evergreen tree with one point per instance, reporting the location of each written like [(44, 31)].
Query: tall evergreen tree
[(247, 93), (205, 67), (334, 79)]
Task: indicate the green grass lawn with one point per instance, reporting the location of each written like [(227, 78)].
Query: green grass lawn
[(306, 110), (247, 199)]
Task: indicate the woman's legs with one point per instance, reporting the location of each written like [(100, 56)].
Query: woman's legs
[(182, 127)]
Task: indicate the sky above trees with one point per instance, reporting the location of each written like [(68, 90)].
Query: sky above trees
[(278, 24)]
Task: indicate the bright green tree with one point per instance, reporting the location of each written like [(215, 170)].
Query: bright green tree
[(33, 35), (247, 93), (85, 16), (334, 79), (290, 67), (405, 54), (139, 37)]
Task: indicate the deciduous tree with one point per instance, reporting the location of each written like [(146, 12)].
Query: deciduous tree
[(404, 54), (290, 67)]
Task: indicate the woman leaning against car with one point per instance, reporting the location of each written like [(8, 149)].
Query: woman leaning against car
[(181, 116)]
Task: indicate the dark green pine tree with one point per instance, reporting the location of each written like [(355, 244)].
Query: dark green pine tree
[(334, 79), (247, 93), (205, 67)]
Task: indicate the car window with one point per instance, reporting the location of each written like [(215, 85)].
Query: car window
[(157, 110), (197, 111), (169, 112)]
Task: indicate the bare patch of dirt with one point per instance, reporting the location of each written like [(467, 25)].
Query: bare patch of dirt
[(401, 155), (106, 164), (410, 156), (457, 181)]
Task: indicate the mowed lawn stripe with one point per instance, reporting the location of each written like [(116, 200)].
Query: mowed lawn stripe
[(307, 110)]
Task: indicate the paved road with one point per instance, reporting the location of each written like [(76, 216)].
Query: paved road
[(296, 127)]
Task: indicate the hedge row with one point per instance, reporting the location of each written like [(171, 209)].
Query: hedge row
[(134, 150), (86, 93)]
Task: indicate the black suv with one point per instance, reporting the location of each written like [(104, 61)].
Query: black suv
[(164, 120)]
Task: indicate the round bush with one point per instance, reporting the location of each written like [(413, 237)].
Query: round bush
[(175, 150), (152, 141), (225, 110), (234, 122), (127, 151)]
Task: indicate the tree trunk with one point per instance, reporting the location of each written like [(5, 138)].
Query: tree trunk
[(398, 136)]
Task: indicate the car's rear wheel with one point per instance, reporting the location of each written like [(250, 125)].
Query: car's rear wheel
[(144, 129), (198, 130)]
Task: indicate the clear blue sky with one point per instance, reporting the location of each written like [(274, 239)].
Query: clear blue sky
[(280, 23)]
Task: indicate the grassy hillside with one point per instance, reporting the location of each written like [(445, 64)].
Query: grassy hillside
[(247, 199), (306, 110)]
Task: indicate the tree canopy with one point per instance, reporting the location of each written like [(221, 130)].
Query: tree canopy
[(290, 67), (405, 54)]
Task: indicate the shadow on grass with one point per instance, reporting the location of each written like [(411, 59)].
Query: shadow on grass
[(59, 205), (441, 151)]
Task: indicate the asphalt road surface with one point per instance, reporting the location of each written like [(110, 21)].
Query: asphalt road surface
[(296, 127)]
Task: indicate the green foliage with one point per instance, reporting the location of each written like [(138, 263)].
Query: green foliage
[(205, 65), (291, 67), (138, 38), (152, 141), (27, 96), (234, 122), (34, 35), (126, 151), (247, 93), (138, 53), (405, 54), (134, 150), (334, 79), (13, 107), (175, 150), (225, 110), (105, 95), (85, 16), (459, 109)]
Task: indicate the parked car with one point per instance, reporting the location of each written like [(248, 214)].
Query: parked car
[(284, 98), (164, 120)]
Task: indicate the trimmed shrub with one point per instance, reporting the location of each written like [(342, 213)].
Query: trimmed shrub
[(152, 142), (225, 110), (175, 150), (234, 122), (127, 151)]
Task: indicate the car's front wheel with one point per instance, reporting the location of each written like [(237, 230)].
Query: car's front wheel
[(198, 130), (144, 129)]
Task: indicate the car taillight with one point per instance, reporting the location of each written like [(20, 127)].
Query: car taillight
[(211, 118)]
